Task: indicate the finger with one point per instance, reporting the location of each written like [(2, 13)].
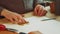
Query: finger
[(20, 21), (19, 18), (40, 10), (23, 21), (9, 18), (35, 11), (44, 13), (15, 19)]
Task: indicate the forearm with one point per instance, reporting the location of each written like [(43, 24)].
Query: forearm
[(2, 10)]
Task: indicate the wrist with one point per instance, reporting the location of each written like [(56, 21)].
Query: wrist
[(3, 12)]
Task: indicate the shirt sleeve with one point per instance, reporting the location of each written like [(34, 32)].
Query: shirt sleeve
[(41, 2), (1, 8)]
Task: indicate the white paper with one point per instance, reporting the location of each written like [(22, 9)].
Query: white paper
[(35, 24)]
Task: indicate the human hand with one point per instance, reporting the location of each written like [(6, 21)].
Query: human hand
[(13, 17), (39, 10)]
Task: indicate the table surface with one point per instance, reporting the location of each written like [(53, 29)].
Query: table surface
[(35, 24)]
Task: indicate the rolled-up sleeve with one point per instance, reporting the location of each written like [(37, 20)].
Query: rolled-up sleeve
[(41, 2), (1, 8), (38, 2)]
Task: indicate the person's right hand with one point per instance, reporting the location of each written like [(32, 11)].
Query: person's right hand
[(39, 10), (13, 17)]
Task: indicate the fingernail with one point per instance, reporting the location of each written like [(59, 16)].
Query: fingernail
[(20, 21)]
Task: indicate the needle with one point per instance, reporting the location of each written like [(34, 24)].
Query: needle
[(10, 29), (14, 30), (47, 19)]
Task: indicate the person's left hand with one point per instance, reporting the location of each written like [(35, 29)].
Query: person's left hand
[(39, 10), (13, 17)]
